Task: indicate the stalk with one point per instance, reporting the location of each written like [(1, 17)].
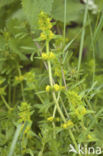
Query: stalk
[(9, 92), (51, 83), (82, 36), (65, 3), (22, 87), (6, 104), (55, 99)]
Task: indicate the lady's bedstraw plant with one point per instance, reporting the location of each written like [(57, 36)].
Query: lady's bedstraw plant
[(47, 35)]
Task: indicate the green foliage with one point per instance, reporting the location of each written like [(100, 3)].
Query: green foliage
[(32, 9), (74, 10), (99, 3), (6, 2), (46, 101)]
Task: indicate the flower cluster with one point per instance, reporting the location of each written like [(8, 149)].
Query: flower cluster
[(74, 98), (50, 118), (45, 26), (19, 79), (55, 87), (80, 112), (67, 124), (25, 115), (48, 56), (76, 105), (89, 136)]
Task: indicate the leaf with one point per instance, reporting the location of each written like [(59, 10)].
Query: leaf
[(32, 8), (15, 140), (74, 10), (5, 2), (99, 50), (21, 42)]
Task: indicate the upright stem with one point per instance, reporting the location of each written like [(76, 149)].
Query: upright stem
[(65, 3), (51, 83), (22, 87), (82, 36), (6, 104), (49, 65), (92, 44), (55, 99), (9, 92), (14, 93)]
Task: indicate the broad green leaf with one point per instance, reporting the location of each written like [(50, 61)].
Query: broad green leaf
[(32, 8), (74, 10)]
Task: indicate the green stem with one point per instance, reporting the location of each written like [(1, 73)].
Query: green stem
[(54, 112), (9, 93), (73, 139), (22, 87), (51, 83), (55, 99), (49, 65), (6, 104), (65, 110), (82, 36), (65, 3), (57, 105), (92, 44), (14, 93)]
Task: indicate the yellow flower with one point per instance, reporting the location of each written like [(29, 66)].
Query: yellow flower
[(19, 78), (43, 36), (48, 88), (48, 56), (51, 55), (27, 129), (89, 136), (57, 119), (64, 125), (45, 25), (44, 56), (80, 112), (51, 35), (83, 111), (56, 87), (50, 118), (67, 124), (45, 22), (49, 24), (42, 13), (74, 98)]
